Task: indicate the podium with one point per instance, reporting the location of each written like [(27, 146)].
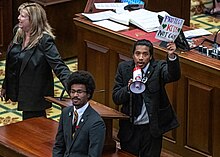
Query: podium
[(107, 113)]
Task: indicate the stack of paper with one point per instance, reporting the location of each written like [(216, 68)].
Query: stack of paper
[(111, 25), (196, 33), (122, 18), (99, 16), (142, 18)]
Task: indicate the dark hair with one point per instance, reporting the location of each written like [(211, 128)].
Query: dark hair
[(144, 42), (82, 77)]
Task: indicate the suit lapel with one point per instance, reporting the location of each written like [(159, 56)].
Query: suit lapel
[(129, 70), (70, 127), (81, 124), (70, 121), (26, 58), (10, 47), (149, 71), (148, 74)]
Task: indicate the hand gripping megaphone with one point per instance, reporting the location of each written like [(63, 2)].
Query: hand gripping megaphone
[(137, 86)]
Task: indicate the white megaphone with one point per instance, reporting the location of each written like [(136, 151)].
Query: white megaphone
[(137, 86)]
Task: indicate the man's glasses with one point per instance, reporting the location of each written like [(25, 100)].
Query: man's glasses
[(77, 91)]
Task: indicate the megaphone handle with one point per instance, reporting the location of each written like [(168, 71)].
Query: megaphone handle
[(131, 109)]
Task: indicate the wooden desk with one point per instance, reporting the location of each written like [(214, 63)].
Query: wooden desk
[(107, 113), (35, 138), (104, 111), (195, 97), (117, 153), (31, 138)]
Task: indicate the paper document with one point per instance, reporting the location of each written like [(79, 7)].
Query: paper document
[(122, 18), (144, 19), (111, 25), (163, 13), (99, 16), (109, 5), (196, 33)]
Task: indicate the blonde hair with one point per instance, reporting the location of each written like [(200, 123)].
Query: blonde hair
[(38, 22)]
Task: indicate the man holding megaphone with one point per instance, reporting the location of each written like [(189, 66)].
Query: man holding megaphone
[(140, 89)]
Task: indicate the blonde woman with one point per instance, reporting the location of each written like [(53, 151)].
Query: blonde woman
[(31, 57)]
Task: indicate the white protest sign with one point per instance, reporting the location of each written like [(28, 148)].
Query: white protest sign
[(169, 28)]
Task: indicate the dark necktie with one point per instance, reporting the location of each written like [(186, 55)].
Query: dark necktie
[(143, 75), (75, 121), (137, 101)]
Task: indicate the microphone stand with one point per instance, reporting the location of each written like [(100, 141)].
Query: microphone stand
[(131, 116)]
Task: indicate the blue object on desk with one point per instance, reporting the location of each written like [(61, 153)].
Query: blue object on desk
[(133, 1)]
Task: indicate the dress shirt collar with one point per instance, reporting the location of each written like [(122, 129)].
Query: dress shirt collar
[(81, 110), (146, 67)]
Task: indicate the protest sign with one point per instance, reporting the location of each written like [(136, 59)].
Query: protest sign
[(169, 28)]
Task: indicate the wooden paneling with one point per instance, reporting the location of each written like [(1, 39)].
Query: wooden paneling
[(178, 8), (97, 56), (1, 24), (60, 17), (199, 110), (197, 96), (5, 25), (172, 94), (216, 122)]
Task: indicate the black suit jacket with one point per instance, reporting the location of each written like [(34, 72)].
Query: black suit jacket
[(88, 140), (161, 115), (34, 78)]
